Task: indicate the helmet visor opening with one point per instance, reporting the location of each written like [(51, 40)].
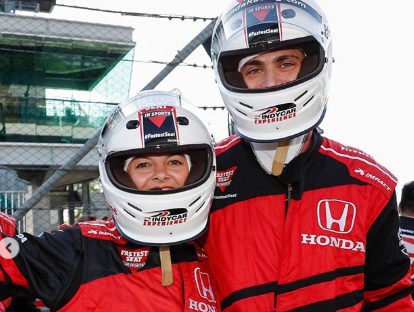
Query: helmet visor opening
[(234, 66), (160, 171)]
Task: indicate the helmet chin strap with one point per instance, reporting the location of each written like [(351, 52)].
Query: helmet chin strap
[(280, 157), (166, 268), (274, 156)]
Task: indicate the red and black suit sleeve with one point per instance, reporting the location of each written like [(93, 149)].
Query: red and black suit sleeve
[(386, 262), (45, 264)]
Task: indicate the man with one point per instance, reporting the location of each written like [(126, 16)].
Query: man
[(406, 210), (299, 222), (157, 168)]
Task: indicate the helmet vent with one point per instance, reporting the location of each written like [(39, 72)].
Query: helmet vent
[(182, 121), (129, 213), (241, 112), (132, 124), (197, 199), (245, 105), (201, 206), (135, 207), (301, 95), (307, 102)]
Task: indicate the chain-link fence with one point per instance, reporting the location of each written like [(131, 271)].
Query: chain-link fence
[(59, 80), (57, 208)]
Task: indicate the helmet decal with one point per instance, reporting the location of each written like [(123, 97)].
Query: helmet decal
[(304, 6), (159, 126), (264, 21), (277, 113), (167, 217)]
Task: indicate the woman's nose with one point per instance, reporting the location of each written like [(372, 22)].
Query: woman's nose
[(160, 173)]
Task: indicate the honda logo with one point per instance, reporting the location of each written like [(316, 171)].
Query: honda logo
[(204, 285), (336, 215)]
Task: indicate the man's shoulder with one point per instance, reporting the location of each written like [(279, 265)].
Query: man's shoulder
[(360, 164), (227, 144), (345, 153)]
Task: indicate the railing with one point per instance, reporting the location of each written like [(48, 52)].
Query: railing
[(48, 120), (10, 201), (50, 214)]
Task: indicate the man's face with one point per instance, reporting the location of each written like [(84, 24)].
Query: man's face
[(272, 68), (158, 172)]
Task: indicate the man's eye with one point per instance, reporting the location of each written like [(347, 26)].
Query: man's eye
[(252, 71), (287, 64)]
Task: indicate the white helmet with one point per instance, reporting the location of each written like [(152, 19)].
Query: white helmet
[(155, 122), (247, 28)]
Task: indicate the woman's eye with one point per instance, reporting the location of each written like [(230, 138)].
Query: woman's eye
[(141, 165), (175, 162)]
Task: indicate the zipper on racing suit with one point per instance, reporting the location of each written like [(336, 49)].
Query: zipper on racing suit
[(288, 198), (287, 202)]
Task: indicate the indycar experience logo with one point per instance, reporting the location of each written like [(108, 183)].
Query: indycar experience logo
[(276, 114), (167, 217)]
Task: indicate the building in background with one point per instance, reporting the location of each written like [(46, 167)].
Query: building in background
[(59, 80), (13, 193)]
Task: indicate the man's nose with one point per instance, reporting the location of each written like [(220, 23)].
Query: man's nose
[(272, 79)]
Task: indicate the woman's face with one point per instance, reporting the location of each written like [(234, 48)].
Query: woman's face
[(158, 172)]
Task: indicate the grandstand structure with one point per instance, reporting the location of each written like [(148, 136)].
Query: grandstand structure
[(59, 80)]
